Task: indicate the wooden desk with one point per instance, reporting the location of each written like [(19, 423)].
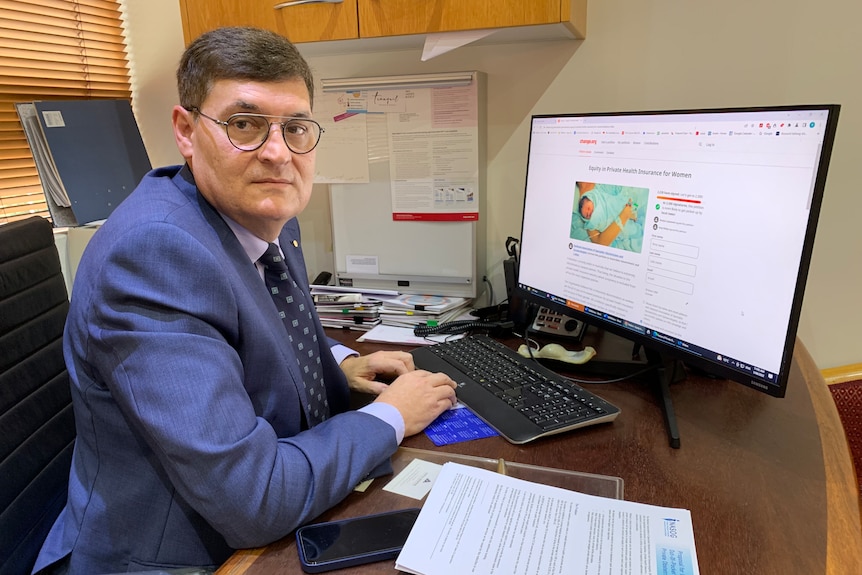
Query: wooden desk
[(769, 482)]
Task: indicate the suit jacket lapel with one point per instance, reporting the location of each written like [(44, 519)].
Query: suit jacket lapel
[(248, 273)]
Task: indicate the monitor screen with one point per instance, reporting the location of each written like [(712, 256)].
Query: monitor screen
[(689, 232)]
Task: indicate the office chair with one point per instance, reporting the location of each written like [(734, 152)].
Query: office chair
[(37, 428)]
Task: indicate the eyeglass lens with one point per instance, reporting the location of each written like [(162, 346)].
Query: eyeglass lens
[(250, 131)]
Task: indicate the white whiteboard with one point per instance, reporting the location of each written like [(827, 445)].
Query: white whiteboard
[(422, 257), (436, 258)]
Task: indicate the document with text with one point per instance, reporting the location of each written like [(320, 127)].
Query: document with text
[(478, 521)]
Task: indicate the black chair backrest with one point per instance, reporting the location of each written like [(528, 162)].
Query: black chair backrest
[(37, 427)]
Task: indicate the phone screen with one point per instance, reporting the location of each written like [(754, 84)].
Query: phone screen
[(324, 542)]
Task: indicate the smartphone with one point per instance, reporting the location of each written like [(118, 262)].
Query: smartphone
[(354, 541)]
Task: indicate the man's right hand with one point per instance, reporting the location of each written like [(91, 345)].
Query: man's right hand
[(420, 396)]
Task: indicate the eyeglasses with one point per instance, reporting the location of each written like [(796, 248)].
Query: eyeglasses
[(248, 132)]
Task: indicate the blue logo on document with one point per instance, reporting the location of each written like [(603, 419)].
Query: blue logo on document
[(670, 527)]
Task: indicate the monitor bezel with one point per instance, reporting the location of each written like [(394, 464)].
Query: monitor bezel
[(720, 370)]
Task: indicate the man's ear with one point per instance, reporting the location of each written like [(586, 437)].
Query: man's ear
[(184, 126)]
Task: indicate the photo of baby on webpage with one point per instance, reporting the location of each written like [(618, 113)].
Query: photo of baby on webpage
[(609, 215)]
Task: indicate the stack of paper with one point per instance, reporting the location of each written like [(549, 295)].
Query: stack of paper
[(383, 333), (348, 308), (42, 155), (356, 316), (478, 521), (410, 310), (55, 194)]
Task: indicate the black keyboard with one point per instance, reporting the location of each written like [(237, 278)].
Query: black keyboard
[(517, 396)]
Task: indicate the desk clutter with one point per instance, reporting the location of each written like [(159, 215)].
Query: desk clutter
[(364, 309), (530, 527), (486, 515)]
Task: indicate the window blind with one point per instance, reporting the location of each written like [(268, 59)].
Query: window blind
[(51, 50)]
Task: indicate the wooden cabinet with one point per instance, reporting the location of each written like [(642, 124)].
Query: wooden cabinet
[(378, 18), (300, 23), (356, 19)]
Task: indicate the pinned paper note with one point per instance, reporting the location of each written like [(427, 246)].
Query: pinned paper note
[(437, 44)]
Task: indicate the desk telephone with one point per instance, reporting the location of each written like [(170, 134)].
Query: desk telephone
[(545, 321), (553, 323)]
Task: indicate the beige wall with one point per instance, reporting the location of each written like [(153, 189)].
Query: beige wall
[(154, 37), (639, 54)]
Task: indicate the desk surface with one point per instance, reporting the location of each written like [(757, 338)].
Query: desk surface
[(769, 482)]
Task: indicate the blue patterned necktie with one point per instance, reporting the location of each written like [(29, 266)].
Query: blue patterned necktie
[(296, 312)]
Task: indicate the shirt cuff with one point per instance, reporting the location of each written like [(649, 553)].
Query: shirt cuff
[(341, 352), (389, 414)]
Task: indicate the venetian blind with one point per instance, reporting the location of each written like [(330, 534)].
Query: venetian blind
[(51, 50)]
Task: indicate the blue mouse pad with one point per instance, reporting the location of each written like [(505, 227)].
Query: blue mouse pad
[(457, 425)]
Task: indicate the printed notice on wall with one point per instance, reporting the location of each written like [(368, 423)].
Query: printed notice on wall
[(431, 143), (434, 153), (342, 154)]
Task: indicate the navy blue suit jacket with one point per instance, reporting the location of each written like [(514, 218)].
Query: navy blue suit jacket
[(187, 396)]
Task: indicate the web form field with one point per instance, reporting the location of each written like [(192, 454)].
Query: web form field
[(665, 264)]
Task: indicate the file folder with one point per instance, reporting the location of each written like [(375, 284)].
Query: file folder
[(98, 151)]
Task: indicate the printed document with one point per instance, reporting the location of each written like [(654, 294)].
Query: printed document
[(478, 521)]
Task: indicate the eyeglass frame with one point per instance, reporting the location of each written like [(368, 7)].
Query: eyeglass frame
[(283, 125)]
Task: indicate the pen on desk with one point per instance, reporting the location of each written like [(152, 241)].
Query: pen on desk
[(501, 467)]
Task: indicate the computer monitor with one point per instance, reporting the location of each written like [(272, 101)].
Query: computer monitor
[(689, 231)]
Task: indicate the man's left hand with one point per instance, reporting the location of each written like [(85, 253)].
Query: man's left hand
[(361, 371)]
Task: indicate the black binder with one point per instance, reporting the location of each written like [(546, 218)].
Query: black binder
[(98, 151)]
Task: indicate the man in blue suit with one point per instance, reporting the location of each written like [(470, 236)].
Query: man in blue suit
[(196, 434)]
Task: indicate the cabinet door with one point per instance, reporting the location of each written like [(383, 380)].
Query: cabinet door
[(302, 23), (395, 17)]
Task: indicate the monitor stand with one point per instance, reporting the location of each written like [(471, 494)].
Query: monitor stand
[(617, 356), (665, 372)]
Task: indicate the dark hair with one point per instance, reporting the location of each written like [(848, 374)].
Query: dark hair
[(581, 202), (238, 53)]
